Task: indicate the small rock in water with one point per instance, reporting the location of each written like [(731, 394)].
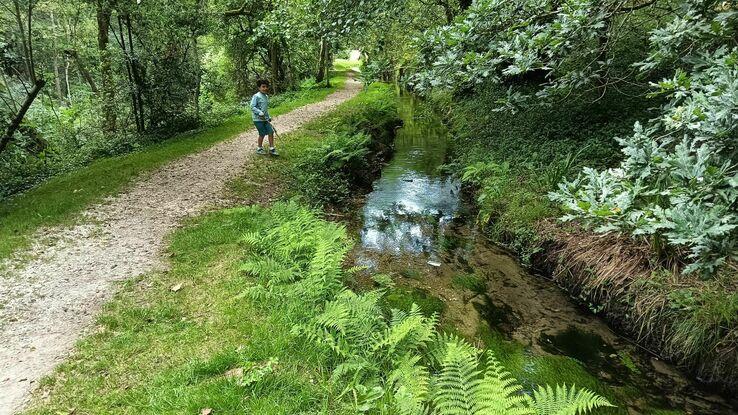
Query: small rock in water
[(434, 263)]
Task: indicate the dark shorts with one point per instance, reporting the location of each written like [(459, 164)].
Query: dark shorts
[(264, 127)]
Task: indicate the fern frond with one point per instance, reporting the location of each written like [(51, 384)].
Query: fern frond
[(253, 239), (407, 332), (353, 367), (437, 349), (410, 386), (499, 392), (270, 270), (456, 383), (256, 293), (348, 323), (566, 400)]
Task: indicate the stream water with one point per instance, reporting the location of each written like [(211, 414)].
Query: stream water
[(416, 227)]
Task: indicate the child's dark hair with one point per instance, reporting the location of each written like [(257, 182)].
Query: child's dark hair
[(261, 82)]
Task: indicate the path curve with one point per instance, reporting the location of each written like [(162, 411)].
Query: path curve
[(48, 303)]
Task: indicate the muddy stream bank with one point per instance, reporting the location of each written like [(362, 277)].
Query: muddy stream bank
[(416, 227)]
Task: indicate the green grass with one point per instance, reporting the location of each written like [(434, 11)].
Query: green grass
[(157, 351), (404, 298), (346, 64), (60, 199), (471, 282)]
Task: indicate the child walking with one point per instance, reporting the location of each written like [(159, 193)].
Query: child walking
[(262, 119)]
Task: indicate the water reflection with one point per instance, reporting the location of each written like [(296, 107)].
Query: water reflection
[(412, 203)]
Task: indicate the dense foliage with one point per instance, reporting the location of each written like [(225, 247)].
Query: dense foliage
[(677, 183), (80, 80), (353, 143)]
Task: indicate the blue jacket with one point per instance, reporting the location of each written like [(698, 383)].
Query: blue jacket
[(260, 107)]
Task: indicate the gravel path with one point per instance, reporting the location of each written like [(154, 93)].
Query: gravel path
[(46, 304)]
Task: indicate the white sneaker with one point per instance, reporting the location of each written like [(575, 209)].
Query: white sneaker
[(260, 150)]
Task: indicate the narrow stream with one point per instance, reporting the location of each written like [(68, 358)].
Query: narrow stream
[(416, 227)]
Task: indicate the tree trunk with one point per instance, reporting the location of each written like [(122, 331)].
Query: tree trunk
[(25, 43), (327, 61), (198, 78), (82, 70), (137, 114), (58, 84), (38, 84), (66, 81), (104, 13), (138, 78), (320, 73), (198, 61), (274, 67), (16, 121)]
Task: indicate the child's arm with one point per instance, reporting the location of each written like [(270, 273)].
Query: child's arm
[(254, 108)]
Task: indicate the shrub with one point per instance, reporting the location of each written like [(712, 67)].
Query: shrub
[(678, 183), (352, 143)]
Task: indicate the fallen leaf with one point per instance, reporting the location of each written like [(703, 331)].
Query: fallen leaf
[(176, 288)]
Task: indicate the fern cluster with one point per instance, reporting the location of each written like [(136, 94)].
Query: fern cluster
[(396, 362)]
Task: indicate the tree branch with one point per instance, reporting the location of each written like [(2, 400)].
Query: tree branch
[(236, 12), (16, 121)]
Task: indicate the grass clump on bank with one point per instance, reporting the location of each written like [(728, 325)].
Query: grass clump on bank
[(405, 298), (61, 198)]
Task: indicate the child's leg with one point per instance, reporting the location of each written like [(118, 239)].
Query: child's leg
[(261, 140), (271, 140)]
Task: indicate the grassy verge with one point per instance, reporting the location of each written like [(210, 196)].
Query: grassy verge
[(230, 326), (159, 351), (511, 161), (61, 198)]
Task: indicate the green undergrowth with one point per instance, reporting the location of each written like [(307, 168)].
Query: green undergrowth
[(254, 317), (471, 282), (533, 369), (330, 159), (512, 161), (61, 198)]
